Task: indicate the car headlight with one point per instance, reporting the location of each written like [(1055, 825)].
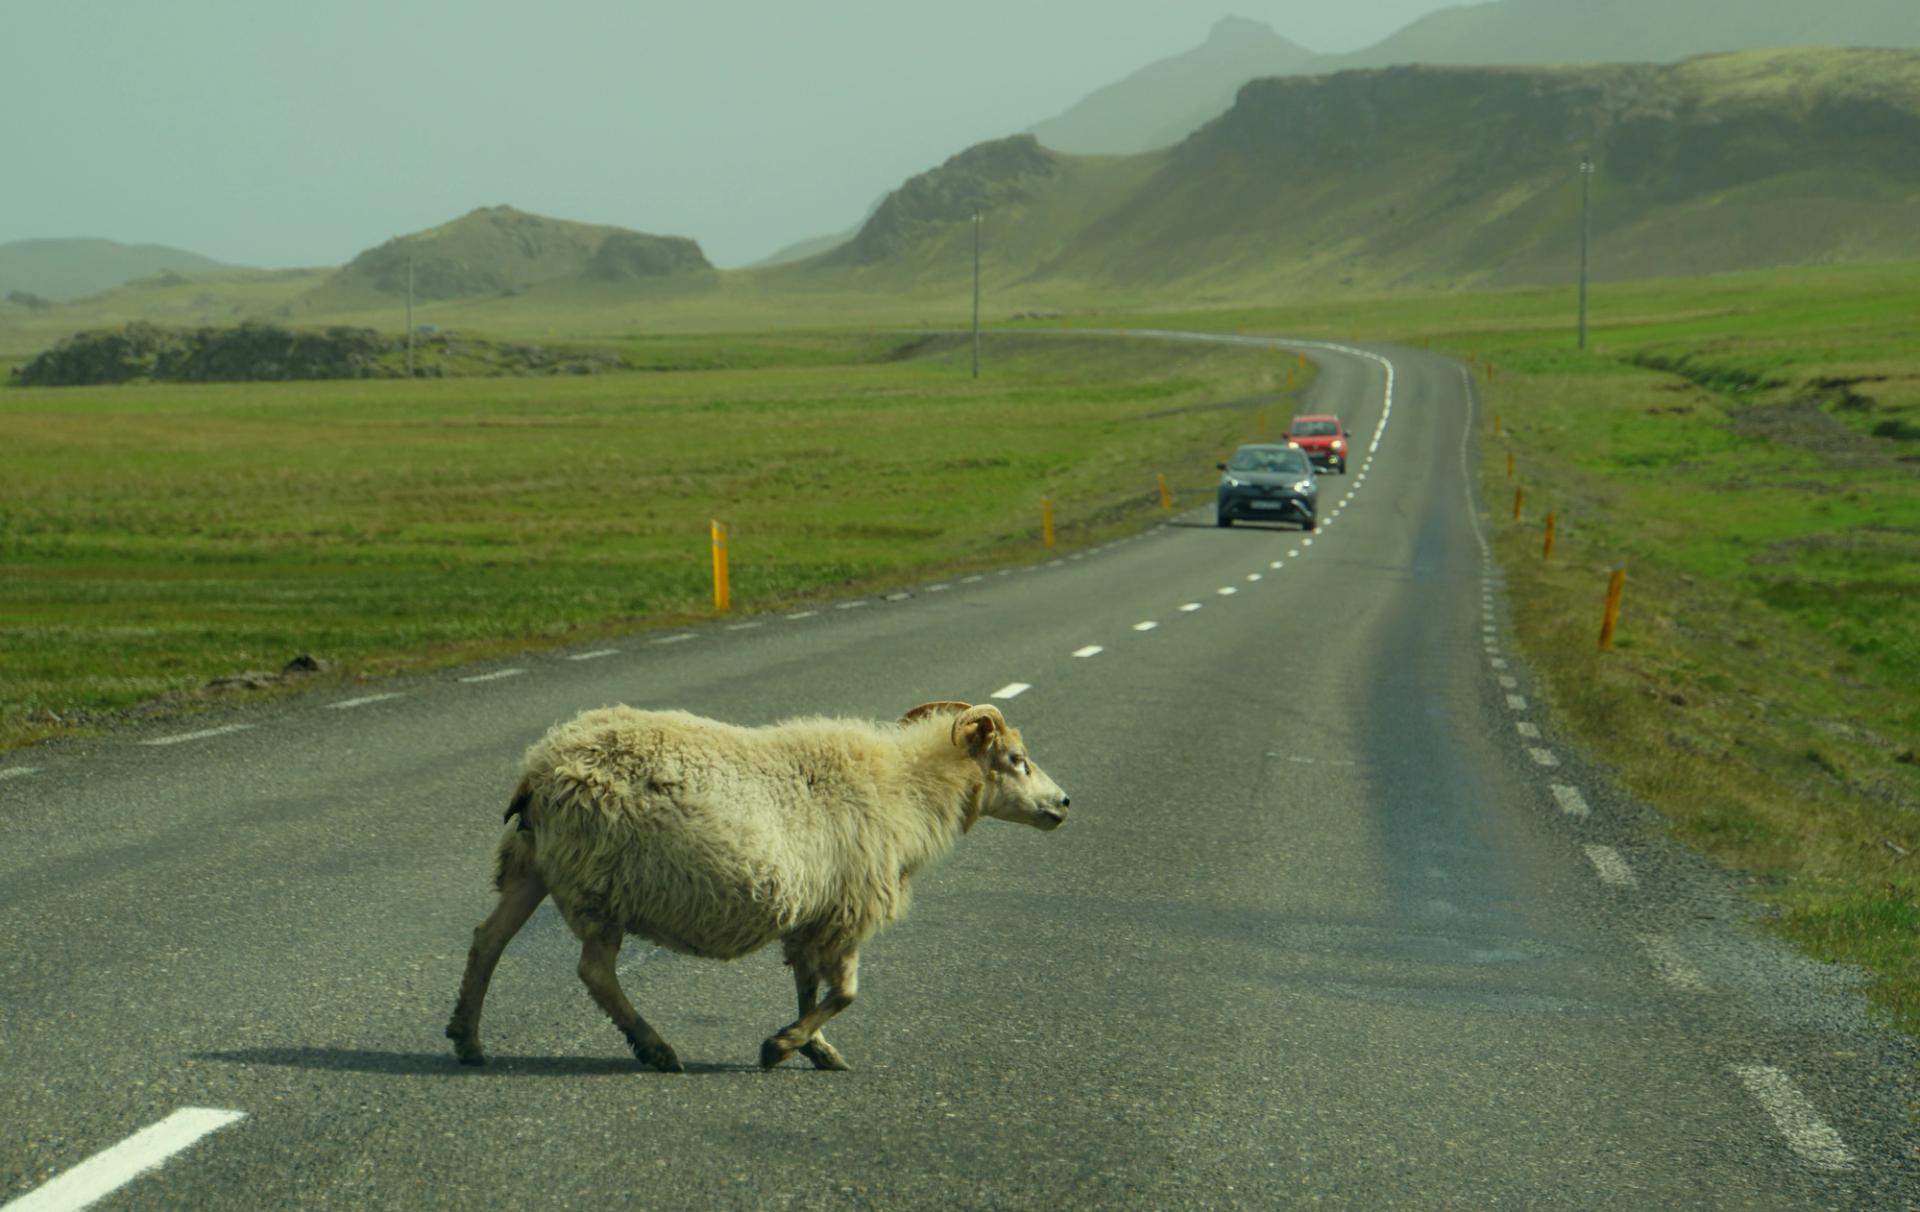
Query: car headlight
[(1339, 445), (1303, 487), (1229, 482)]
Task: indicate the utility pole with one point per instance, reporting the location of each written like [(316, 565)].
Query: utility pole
[(409, 315), (1586, 236), (976, 294)]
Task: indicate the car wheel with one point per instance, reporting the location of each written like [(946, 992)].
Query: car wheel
[(1309, 523), (1221, 519)]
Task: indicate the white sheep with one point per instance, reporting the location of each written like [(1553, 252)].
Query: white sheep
[(714, 840)]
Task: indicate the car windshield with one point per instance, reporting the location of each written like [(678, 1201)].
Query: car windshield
[(1315, 429), (1269, 459)]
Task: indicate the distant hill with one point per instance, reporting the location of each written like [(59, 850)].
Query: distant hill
[(498, 250), (59, 270), (1446, 176), (1166, 101)]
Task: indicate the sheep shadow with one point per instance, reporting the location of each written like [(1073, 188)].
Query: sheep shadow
[(424, 1064)]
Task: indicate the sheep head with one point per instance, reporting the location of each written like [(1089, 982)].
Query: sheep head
[(1014, 789)]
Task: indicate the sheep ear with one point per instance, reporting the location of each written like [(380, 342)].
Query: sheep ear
[(977, 727), (939, 707)]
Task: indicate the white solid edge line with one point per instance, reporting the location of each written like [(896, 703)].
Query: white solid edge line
[(1089, 650), (495, 676), (1012, 690), (17, 772), (117, 1165), (1570, 800), (1806, 1133), (201, 735), (1611, 868), (595, 655), (365, 699)]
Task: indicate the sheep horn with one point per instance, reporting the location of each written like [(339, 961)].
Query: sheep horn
[(976, 724), (939, 707)]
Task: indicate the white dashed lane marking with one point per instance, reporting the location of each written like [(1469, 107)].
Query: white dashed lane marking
[(970, 580), (1190, 607), (939, 588), (1806, 1133), (1611, 867), (1570, 800), (803, 614), (1012, 690), (201, 735), (1149, 625), (1543, 757), (1516, 702), (682, 638), (110, 1169), (1089, 650), (595, 655), (17, 772), (1528, 730), (363, 700), (497, 674), (1671, 965), (1508, 682), (1226, 591), (1253, 576), (850, 605), (743, 626)]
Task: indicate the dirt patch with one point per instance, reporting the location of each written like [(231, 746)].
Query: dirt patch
[(1804, 424)]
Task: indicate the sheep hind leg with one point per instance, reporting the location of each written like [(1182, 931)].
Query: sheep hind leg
[(803, 1035), (597, 955), (520, 895)]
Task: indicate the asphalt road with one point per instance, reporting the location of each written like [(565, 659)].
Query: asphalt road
[(1323, 926)]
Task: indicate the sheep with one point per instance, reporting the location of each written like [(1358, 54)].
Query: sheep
[(713, 840)]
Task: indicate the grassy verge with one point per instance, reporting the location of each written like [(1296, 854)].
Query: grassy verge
[(154, 537)]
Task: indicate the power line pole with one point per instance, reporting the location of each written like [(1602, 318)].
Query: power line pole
[(1586, 236), (976, 294), (409, 315)]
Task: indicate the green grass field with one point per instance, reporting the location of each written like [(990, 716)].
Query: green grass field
[(154, 537)]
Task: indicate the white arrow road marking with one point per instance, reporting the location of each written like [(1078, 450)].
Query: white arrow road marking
[(112, 1168)]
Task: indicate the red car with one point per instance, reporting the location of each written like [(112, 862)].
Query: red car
[(1324, 439)]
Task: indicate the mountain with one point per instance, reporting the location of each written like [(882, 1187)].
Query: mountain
[(1165, 102), (59, 270), (1444, 176), (498, 250)]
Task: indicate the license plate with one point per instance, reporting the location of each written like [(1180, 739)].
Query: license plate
[(1269, 504)]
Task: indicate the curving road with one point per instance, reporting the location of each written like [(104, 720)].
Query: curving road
[(1336, 919)]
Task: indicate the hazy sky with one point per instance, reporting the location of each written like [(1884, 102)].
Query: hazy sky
[(269, 132)]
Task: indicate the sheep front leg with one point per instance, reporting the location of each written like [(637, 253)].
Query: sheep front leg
[(520, 895), (823, 1054), (597, 955), (843, 978)]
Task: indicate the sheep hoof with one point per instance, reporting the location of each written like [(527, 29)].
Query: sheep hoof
[(657, 1053), (824, 1056), (772, 1052), (465, 1047)]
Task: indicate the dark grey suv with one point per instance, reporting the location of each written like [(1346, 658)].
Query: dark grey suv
[(1268, 483)]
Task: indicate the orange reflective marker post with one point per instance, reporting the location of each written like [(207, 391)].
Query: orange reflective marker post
[(722, 591), (1615, 588), (1046, 520), (1166, 493), (1546, 553), (1519, 494), (1496, 425)]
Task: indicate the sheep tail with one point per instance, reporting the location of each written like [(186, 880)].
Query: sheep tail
[(513, 860)]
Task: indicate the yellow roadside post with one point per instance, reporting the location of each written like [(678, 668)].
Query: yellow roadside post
[(1546, 552), (1046, 520), (1166, 493), (1615, 587), (722, 592)]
